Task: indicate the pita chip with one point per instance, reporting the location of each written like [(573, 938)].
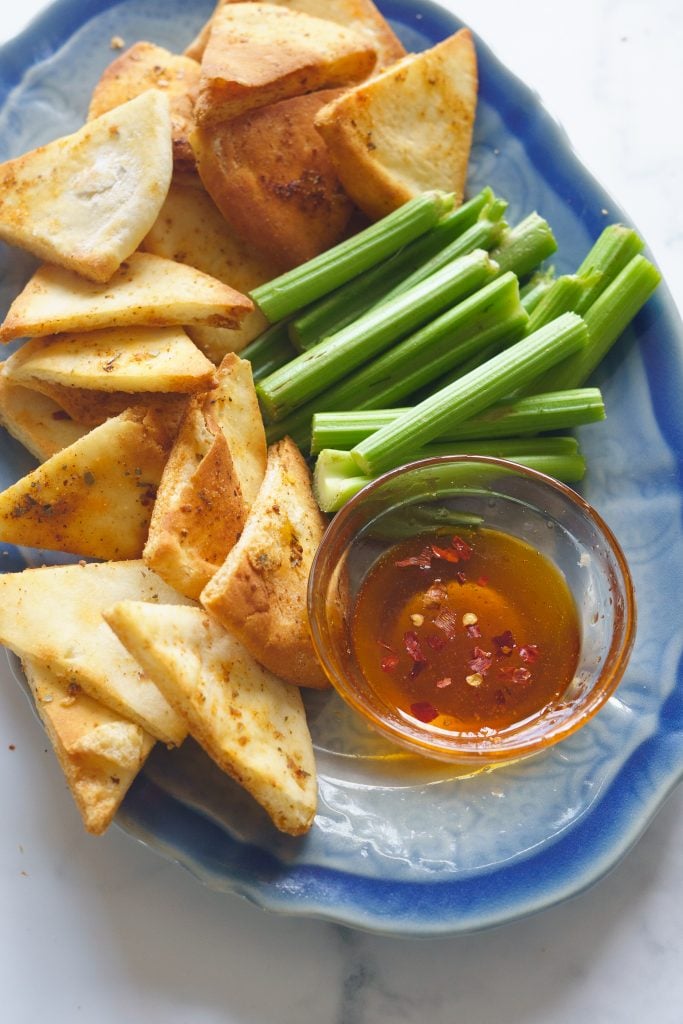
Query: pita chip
[(146, 66), (35, 420), (95, 497), (261, 53), (127, 359), (259, 593), (407, 129), (53, 615), (250, 723), (360, 15), (146, 290), (211, 478), (99, 752), (86, 201)]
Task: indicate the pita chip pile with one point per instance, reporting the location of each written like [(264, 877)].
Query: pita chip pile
[(196, 178)]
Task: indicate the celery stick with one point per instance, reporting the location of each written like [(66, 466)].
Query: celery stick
[(269, 351), (494, 380), (315, 370), (556, 410), (293, 290), (525, 245)]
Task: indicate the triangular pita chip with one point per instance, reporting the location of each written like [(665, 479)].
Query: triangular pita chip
[(260, 53), (54, 615), (406, 130), (146, 66), (360, 15), (259, 593), (209, 483), (191, 230), (115, 359), (251, 724), (99, 752), (95, 497), (35, 420), (87, 200), (146, 291), (273, 181)]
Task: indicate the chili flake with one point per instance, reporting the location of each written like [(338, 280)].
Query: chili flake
[(424, 711)]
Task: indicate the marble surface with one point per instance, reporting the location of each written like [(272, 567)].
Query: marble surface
[(104, 930)]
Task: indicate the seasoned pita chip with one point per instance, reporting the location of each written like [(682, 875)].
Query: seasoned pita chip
[(190, 229), (146, 291), (95, 497), (272, 179), (91, 408), (87, 200), (99, 752), (260, 53), (210, 481), (235, 406), (360, 15), (251, 724), (38, 422), (259, 593), (161, 359), (146, 66), (407, 130), (54, 616)]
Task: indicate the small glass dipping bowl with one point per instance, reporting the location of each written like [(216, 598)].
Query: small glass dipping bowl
[(508, 498)]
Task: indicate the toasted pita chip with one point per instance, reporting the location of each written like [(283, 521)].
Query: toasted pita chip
[(146, 290), (261, 53), (251, 724), (273, 180), (95, 497), (90, 408), (190, 229), (35, 420), (54, 616), (87, 200), (99, 752), (259, 593), (146, 66), (360, 15), (406, 130), (210, 481), (115, 359)]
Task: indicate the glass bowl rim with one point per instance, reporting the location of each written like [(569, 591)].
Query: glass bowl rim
[(481, 752)]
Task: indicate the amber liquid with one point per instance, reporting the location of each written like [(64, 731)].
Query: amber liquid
[(475, 644)]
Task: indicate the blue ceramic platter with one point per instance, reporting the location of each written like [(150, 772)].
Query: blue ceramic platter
[(400, 846)]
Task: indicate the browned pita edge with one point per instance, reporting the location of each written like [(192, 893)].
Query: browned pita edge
[(99, 752), (259, 593)]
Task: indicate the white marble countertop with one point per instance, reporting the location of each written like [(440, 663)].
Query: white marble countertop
[(105, 931)]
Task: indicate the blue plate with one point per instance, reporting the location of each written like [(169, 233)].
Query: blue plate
[(400, 846)]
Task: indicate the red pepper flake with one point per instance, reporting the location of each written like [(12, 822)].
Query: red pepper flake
[(461, 577), (389, 663), (441, 684), (423, 711), (447, 622), (463, 549), (473, 631), (436, 642), (521, 676), (529, 653), (481, 661), (416, 668), (505, 643), (412, 646), (483, 581), (422, 561), (446, 553)]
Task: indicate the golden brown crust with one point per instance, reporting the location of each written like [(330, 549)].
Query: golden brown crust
[(271, 177), (261, 53), (147, 66), (408, 129), (259, 593)]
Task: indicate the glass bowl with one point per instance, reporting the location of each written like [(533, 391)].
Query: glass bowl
[(500, 496)]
